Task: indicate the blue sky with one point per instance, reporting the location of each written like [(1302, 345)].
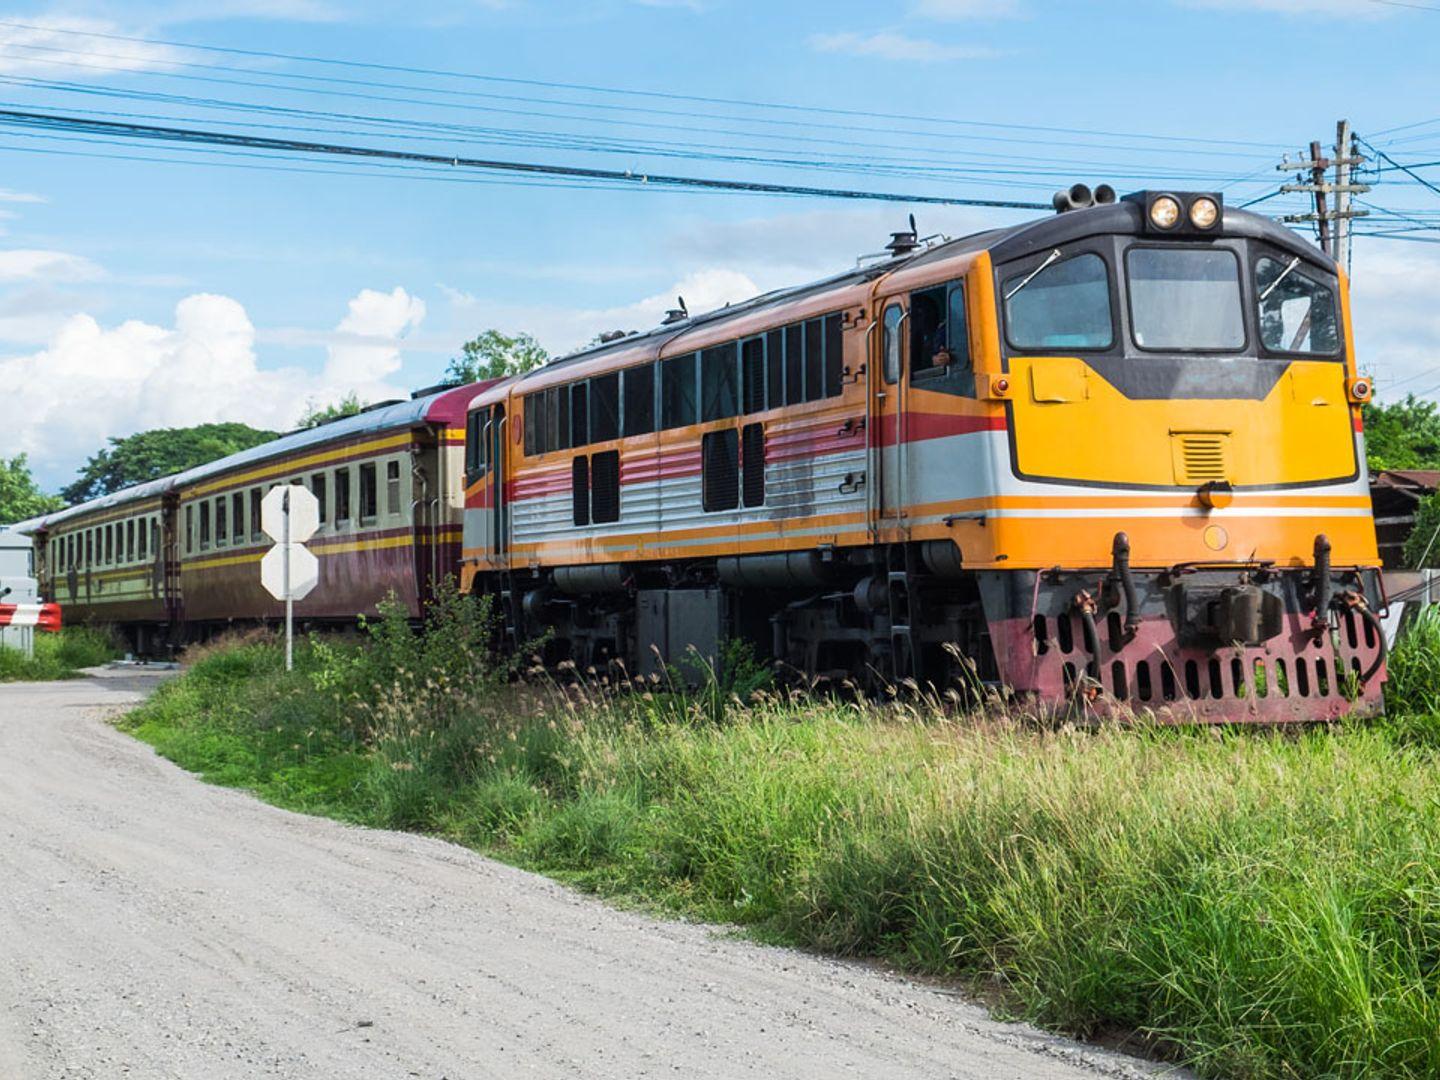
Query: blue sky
[(135, 293)]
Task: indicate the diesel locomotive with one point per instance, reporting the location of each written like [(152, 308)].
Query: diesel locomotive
[(1110, 455)]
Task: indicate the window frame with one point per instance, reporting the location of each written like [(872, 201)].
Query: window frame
[(1257, 253), (1134, 340), (372, 469), (1018, 268)]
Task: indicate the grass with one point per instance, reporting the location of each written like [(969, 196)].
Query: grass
[(1256, 904), (59, 656)]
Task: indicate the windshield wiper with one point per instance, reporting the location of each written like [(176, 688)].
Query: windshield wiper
[(1055, 254), (1283, 275)]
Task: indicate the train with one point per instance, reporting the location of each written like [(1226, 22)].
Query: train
[(1109, 457)]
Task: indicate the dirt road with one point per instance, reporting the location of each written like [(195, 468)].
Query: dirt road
[(152, 926)]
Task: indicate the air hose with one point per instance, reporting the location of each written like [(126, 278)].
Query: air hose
[(1349, 599)]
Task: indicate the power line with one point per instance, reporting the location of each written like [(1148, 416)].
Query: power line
[(591, 88), (133, 131)]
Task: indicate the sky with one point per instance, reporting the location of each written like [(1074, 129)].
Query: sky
[(146, 285)]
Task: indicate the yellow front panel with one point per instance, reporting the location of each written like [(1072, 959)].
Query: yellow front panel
[(1070, 424)]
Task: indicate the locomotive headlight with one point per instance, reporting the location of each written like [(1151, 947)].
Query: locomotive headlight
[(1165, 212), (1204, 213)]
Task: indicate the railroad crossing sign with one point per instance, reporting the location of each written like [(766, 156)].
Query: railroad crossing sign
[(289, 514)]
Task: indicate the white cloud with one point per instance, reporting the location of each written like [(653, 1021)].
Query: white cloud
[(22, 264), (48, 44), (888, 45), (1364, 9), (90, 382), (1392, 300), (957, 10), (378, 322), (562, 329)]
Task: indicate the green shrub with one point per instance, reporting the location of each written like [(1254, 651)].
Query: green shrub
[(60, 655)]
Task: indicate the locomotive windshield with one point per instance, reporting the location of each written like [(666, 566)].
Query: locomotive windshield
[(1297, 313), (1185, 298), (1065, 304)]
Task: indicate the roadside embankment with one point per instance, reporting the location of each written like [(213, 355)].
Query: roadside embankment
[(1255, 904)]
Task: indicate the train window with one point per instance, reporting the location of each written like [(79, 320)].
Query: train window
[(560, 407), (719, 383), (551, 410), (90, 547), (752, 375), (639, 394), (605, 407), (256, 532), (342, 497), (720, 470), (605, 487), (894, 316), (940, 352), (130, 540), (580, 489), (834, 357), (531, 423), (237, 516), (543, 432), (579, 415), (317, 488), (814, 360), (392, 488), (189, 529), (774, 369), (1061, 304), (473, 445), (221, 532), (155, 539), (369, 492), (1297, 313), (1185, 298), (140, 539), (752, 451), (794, 364), (204, 524), (677, 391)]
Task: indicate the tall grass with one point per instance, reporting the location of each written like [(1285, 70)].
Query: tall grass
[(61, 655), (1257, 904)]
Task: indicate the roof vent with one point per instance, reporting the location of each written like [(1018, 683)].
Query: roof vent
[(676, 314), (902, 243), (614, 335)]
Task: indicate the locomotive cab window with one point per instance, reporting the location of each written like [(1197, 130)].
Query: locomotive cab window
[(1185, 299), (1297, 312), (940, 341), (1060, 303)]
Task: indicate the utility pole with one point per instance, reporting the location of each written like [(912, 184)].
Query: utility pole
[(1333, 225)]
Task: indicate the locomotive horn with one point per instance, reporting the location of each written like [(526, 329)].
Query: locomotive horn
[(1104, 194), (1076, 197)]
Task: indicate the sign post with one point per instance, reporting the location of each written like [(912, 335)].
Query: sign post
[(289, 514)]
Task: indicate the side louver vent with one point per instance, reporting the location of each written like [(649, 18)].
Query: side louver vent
[(1200, 456)]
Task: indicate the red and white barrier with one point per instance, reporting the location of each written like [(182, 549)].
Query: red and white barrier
[(40, 616)]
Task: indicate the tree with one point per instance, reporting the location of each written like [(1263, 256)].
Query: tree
[(349, 405), (150, 455), (20, 496), (1402, 435), (494, 355)]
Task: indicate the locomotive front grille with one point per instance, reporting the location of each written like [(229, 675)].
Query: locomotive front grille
[(1200, 456)]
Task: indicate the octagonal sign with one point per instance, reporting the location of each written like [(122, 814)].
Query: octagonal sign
[(296, 503), (304, 572)]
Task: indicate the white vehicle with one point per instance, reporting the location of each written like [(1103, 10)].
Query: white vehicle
[(17, 586)]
